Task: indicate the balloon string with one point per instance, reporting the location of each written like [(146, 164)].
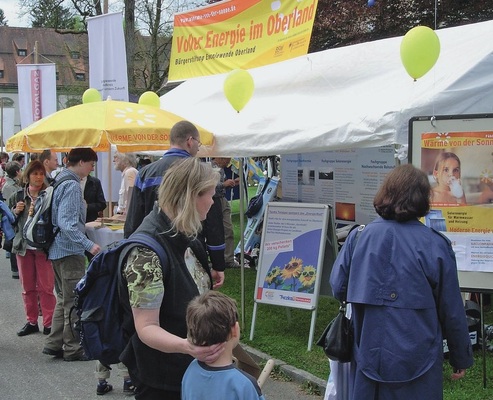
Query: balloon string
[(434, 69)]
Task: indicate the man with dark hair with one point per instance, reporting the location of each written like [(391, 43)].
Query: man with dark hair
[(67, 252), (20, 158), (185, 142)]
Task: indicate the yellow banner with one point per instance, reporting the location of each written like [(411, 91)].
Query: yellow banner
[(239, 34), (446, 140)]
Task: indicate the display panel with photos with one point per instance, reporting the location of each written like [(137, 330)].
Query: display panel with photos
[(456, 152)]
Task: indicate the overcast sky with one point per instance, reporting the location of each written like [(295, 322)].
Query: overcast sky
[(10, 9)]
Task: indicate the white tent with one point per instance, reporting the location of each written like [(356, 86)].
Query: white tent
[(354, 96)]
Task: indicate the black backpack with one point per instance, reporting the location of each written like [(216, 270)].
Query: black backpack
[(256, 202), (38, 231), (101, 309)]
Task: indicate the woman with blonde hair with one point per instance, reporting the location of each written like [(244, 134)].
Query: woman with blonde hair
[(159, 353)]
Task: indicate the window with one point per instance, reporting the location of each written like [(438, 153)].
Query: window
[(1, 73), (22, 52), (75, 55), (80, 76), (7, 102), (57, 76)]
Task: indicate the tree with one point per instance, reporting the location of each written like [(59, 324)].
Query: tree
[(3, 21), (343, 22), (151, 57), (65, 16), (49, 14)]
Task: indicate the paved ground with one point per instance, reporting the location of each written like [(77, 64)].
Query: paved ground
[(27, 374)]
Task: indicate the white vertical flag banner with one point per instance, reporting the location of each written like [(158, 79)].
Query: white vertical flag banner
[(37, 91), (7, 124), (107, 56)]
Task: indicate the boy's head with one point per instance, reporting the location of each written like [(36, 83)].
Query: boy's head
[(212, 318)]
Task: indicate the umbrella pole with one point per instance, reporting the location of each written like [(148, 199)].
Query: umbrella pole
[(110, 202)]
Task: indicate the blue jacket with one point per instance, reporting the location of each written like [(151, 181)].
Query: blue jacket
[(403, 286), (7, 221)]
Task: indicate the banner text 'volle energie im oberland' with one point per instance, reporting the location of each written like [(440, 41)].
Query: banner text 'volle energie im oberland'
[(239, 34)]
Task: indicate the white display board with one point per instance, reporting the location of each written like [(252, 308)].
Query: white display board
[(467, 220), (291, 259), (348, 179)]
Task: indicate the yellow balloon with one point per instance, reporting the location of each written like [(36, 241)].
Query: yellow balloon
[(150, 99), (238, 88), (420, 48), (91, 95)]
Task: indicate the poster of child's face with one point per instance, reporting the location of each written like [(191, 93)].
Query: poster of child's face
[(459, 175)]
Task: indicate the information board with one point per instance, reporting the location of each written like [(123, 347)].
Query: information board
[(292, 254), (456, 152), (348, 179)]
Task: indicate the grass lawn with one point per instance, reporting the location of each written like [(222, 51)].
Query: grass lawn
[(283, 333)]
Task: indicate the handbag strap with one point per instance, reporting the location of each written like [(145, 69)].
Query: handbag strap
[(355, 242), (266, 183)]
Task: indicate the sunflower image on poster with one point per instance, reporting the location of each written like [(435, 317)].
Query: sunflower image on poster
[(296, 271)]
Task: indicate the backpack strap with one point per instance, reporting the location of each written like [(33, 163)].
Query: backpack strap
[(153, 244), (55, 184), (133, 241)]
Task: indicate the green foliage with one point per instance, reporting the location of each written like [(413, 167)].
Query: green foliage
[(49, 14), (3, 21), (344, 22), (282, 333)]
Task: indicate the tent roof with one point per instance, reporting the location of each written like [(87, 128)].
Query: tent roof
[(354, 96)]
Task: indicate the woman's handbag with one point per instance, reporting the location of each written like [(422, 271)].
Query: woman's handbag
[(256, 202), (337, 338)]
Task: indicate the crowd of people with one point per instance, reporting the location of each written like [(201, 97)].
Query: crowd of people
[(183, 332), (179, 200)]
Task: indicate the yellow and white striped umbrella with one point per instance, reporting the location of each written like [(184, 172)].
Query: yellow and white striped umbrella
[(131, 127)]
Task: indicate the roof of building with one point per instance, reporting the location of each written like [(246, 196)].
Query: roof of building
[(68, 51)]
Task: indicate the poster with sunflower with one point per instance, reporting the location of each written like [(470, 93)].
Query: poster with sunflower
[(291, 254)]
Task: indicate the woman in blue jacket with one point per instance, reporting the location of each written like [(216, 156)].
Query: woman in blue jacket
[(403, 286)]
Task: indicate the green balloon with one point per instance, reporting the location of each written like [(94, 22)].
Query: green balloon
[(91, 95), (150, 99), (238, 88), (420, 48)]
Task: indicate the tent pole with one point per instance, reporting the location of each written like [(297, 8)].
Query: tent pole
[(242, 242)]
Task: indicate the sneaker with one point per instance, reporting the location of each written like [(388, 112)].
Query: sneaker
[(128, 386), (15, 274), (46, 330), (28, 329), (103, 388), (54, 353), (234, 264)]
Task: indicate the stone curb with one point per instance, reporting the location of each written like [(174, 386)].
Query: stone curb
[(297, 375)]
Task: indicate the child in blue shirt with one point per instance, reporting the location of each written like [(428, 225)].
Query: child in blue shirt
[(213, 318)]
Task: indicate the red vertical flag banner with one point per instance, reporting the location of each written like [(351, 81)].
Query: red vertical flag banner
[(37, 91), (36, 94)]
